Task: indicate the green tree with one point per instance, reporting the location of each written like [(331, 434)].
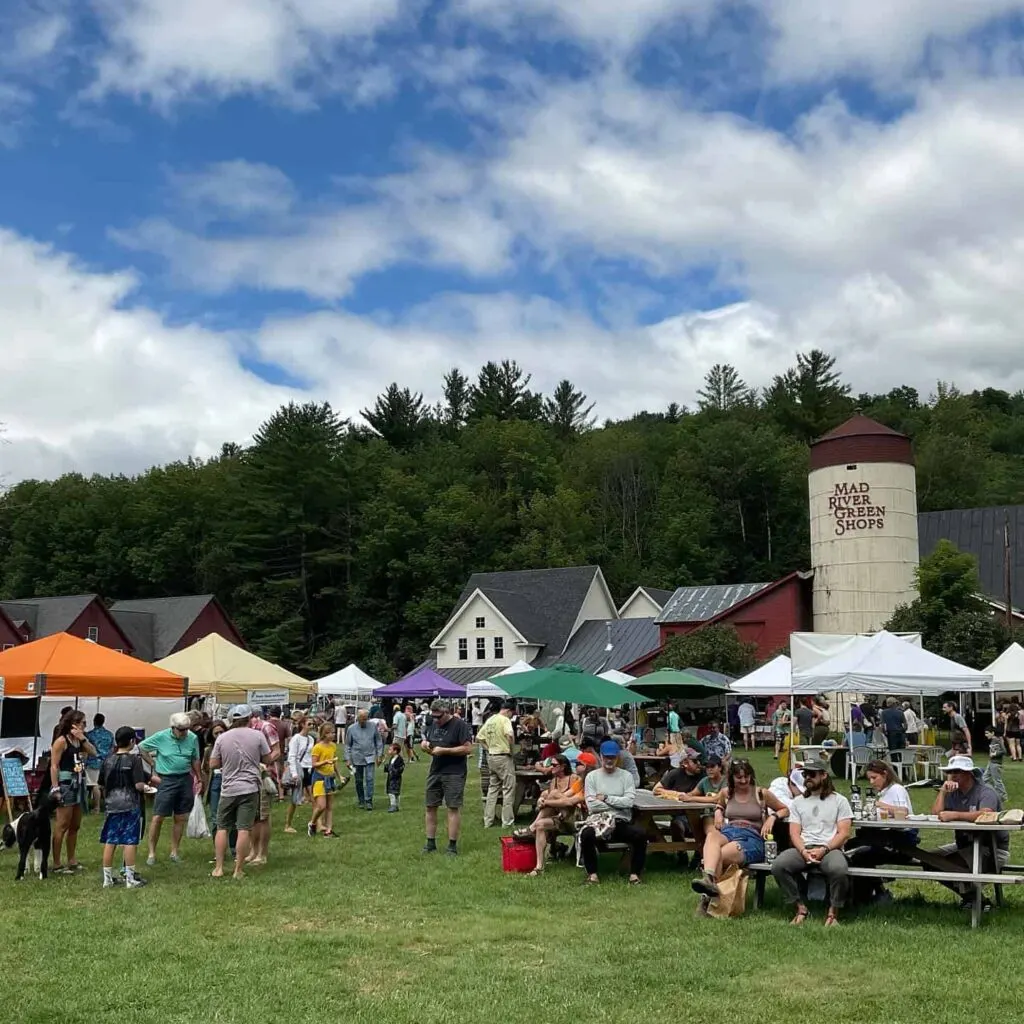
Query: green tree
[(398, 416), (502, 392), (724, 390), (713, 648), (458, 395), (809, 399), (567, 412)]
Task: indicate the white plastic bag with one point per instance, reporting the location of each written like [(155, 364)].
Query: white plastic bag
[(197, 827)]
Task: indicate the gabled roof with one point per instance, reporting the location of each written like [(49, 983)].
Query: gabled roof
[(155, 625), (979, 532), (630, 639), (699, 604), (542, 604), (45, 616), (657, 596)]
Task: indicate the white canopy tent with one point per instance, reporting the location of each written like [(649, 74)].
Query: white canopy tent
[(349, 681), (772, 679), (810, 649), (485, 688), (1007, 671), (886, 663)]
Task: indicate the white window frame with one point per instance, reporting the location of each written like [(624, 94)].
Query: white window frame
[(481, 622), (463, 649), (499, 648), (93, 633), (481, 648)]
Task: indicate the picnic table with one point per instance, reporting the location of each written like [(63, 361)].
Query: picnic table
[(937, 871), (658, 763), (648, 808), (528, 782)]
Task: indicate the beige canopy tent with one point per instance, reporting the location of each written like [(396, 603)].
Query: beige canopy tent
[(228, 673)]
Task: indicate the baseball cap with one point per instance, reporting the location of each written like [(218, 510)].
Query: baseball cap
[(959, 763), (610, 749), (714, 761), (240, 711)]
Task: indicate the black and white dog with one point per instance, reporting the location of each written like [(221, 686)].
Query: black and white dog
[(32, 831)]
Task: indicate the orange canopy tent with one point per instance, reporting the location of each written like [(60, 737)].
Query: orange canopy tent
[(62, 665)]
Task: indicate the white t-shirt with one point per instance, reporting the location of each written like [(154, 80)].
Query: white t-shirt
[(747, 714), (896, 796), (819, 819), (780, 788), (910, 718), (340, 714)]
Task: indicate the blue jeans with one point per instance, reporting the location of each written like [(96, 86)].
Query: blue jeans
[(214, 804), (364, 783)]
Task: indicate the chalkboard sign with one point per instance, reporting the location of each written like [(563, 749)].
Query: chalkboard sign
[(14, 780)]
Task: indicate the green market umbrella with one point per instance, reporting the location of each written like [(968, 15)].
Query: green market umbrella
[(674, 682), (571, 685)]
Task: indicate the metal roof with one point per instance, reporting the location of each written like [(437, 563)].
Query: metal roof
[(698, 604), (979, 532), (45, 616), (630, 639), (155, 625), (541, 603)]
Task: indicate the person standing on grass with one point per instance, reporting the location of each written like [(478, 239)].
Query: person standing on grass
[(747, 714), (240, 754), (410, 732), (819, 825), (674, 733), (173, 754), (122, 779), (283, 728), (340, 721), (394, 767), (894, 725), (325, 781), (399, 725), (67, 778), (103, 740), (780, 725), (364, 750), (497, 738), (611, 789), (958, 730), (717, 743), (260, 848), (449, 741), (300, 767)]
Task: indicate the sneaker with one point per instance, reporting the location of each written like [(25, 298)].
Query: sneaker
[(109, 883), (311, 830), (705, 886), (175, 858), (150, 860), (135, 883), (392, 810), (451, 851), (369, 807), (430, 848)]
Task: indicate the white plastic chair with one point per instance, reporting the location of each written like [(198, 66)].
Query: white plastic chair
[(904, 761), (858, 759)]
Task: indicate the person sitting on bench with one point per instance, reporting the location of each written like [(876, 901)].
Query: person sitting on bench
[(820, 824)]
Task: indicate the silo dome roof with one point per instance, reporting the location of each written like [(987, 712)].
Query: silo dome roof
[(861, 439)]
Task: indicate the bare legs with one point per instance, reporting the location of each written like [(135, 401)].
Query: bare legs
[(221, 849), (66, 828)]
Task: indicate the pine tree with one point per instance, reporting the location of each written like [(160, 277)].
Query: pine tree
[(567, 411), (502, 391), (724, 390), (398, 416)]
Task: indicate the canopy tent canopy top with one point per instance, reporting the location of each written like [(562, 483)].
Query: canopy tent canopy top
[(227, 673), (62, 665), (488, 688), (772, 679), (423, 683), (349, 680), (613, 675), (570, 684), (886, 663), (674, 682), (1007, 671)]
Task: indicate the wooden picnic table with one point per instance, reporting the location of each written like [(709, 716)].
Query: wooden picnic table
[(648, 808), (528, 782), (659, 763)]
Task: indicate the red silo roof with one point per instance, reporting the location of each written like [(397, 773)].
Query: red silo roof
[(861, 439)]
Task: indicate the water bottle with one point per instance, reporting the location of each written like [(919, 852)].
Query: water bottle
[(869, 808), (771, 850), (855, 804)]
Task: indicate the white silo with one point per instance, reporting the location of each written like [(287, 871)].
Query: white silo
[(864, 550)]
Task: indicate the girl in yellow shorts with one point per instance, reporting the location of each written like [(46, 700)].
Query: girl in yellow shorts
[(325, 781)]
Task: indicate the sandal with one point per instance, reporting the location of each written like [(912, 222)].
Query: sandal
[(832, 920), (801, 916), (591, 881), (329, 834), (635, 881), (535, 873), (522, 833)]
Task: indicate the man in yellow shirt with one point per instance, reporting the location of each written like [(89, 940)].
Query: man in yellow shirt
[(497, 738)]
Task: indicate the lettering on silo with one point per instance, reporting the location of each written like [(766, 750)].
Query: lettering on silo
[(853, 509)]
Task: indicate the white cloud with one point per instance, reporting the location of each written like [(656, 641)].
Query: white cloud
[(93, 385), (173, 49), (235, 188)]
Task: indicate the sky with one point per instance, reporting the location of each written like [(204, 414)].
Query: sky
[(211, 209)]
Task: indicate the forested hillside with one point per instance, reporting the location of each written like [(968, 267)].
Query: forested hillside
[(330, 540)]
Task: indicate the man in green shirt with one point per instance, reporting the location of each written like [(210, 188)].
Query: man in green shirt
[(173, 754)]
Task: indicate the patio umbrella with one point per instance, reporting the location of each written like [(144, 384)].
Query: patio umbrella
[(674, 682), (569, 683)]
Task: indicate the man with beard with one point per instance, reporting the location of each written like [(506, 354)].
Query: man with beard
[(819, 826)]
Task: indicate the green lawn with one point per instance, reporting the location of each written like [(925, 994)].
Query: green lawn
[(364, 928)]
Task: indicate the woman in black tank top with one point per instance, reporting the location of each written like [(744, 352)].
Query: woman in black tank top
[(67, 777)]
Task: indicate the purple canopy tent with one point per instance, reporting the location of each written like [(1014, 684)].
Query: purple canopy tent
[(424, 683)]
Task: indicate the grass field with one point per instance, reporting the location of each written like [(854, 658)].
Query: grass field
[(365, 928)]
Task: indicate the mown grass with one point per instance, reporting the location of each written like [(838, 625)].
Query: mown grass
[(365, 928)]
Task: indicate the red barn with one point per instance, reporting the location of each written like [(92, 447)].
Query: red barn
[(160, 626), (82, 615), (761, 613)]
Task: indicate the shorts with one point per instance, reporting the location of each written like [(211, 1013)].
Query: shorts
[(263, 809), (747, 730), (174, 796), (92, 777), (447, 788), (750, 842), (324, 784), (238, 812), (122, 829)]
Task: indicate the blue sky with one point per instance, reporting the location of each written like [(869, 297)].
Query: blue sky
[(206, 210)]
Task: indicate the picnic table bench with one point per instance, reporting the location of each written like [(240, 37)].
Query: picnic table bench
[(973, 876), (649, 812)]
